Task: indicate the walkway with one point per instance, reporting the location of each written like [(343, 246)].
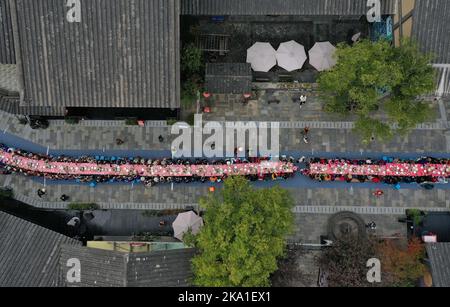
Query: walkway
[(326, 137), (163, 196), (229, 107)]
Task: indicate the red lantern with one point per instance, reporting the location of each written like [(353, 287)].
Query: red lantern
[(247, 95), (206, 95)]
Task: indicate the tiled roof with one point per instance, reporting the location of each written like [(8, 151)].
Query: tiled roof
[(29, 253), (439, 256), (228, 78), (431, 28), (281, 7), (102, 268), (123, 53), (11, 104), (7, 55)]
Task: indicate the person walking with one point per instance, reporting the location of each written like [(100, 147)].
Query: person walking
[(41, 192), (64, 197), (306, 130), (305, 135), (303, 100), (119, 142), (161, 138), (378, 193)]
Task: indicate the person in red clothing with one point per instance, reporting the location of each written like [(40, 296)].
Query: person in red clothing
[(378, 193)]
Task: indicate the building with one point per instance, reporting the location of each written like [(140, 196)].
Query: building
[(123, 58), (29, 254), (281, 7), (120, 266), (435, 225), (228, 78), (439, 262), (33, 256), (428, 23)]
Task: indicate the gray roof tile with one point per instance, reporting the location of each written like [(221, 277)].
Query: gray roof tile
[(124, 53), (431, 28), (228, 78), (29, 253), (101, 268), (280, 7), (7, 53), (439, 256)]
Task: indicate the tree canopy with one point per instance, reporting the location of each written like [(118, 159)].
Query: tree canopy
[(402, 267), (374, 77), (244, 235), (345, 262)]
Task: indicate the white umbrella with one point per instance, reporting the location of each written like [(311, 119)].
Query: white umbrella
[(321, 56), (291, 55), (186, 221), (262, 56)]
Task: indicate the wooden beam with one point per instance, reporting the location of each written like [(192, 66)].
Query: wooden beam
[(405, 19)]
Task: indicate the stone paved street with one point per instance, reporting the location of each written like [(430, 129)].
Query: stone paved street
[(325, 136), (140, 197), (309, 227), (230, 107), (335, 139)]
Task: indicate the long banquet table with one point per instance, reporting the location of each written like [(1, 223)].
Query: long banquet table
[(389, 169), (92, 169)]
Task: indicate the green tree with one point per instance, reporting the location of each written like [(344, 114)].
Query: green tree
[(373, 77), (191, 88), (244, 235), (191, 60)]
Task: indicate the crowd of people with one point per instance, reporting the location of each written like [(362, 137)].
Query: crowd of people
[(102, 169), (40, 165), (385, 170)]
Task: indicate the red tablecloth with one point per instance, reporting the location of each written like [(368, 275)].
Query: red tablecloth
[(390, 169), (62, 168)]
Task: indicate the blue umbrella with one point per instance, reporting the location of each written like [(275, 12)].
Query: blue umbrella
[(397, 186), (385, 158), (93, 184)]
